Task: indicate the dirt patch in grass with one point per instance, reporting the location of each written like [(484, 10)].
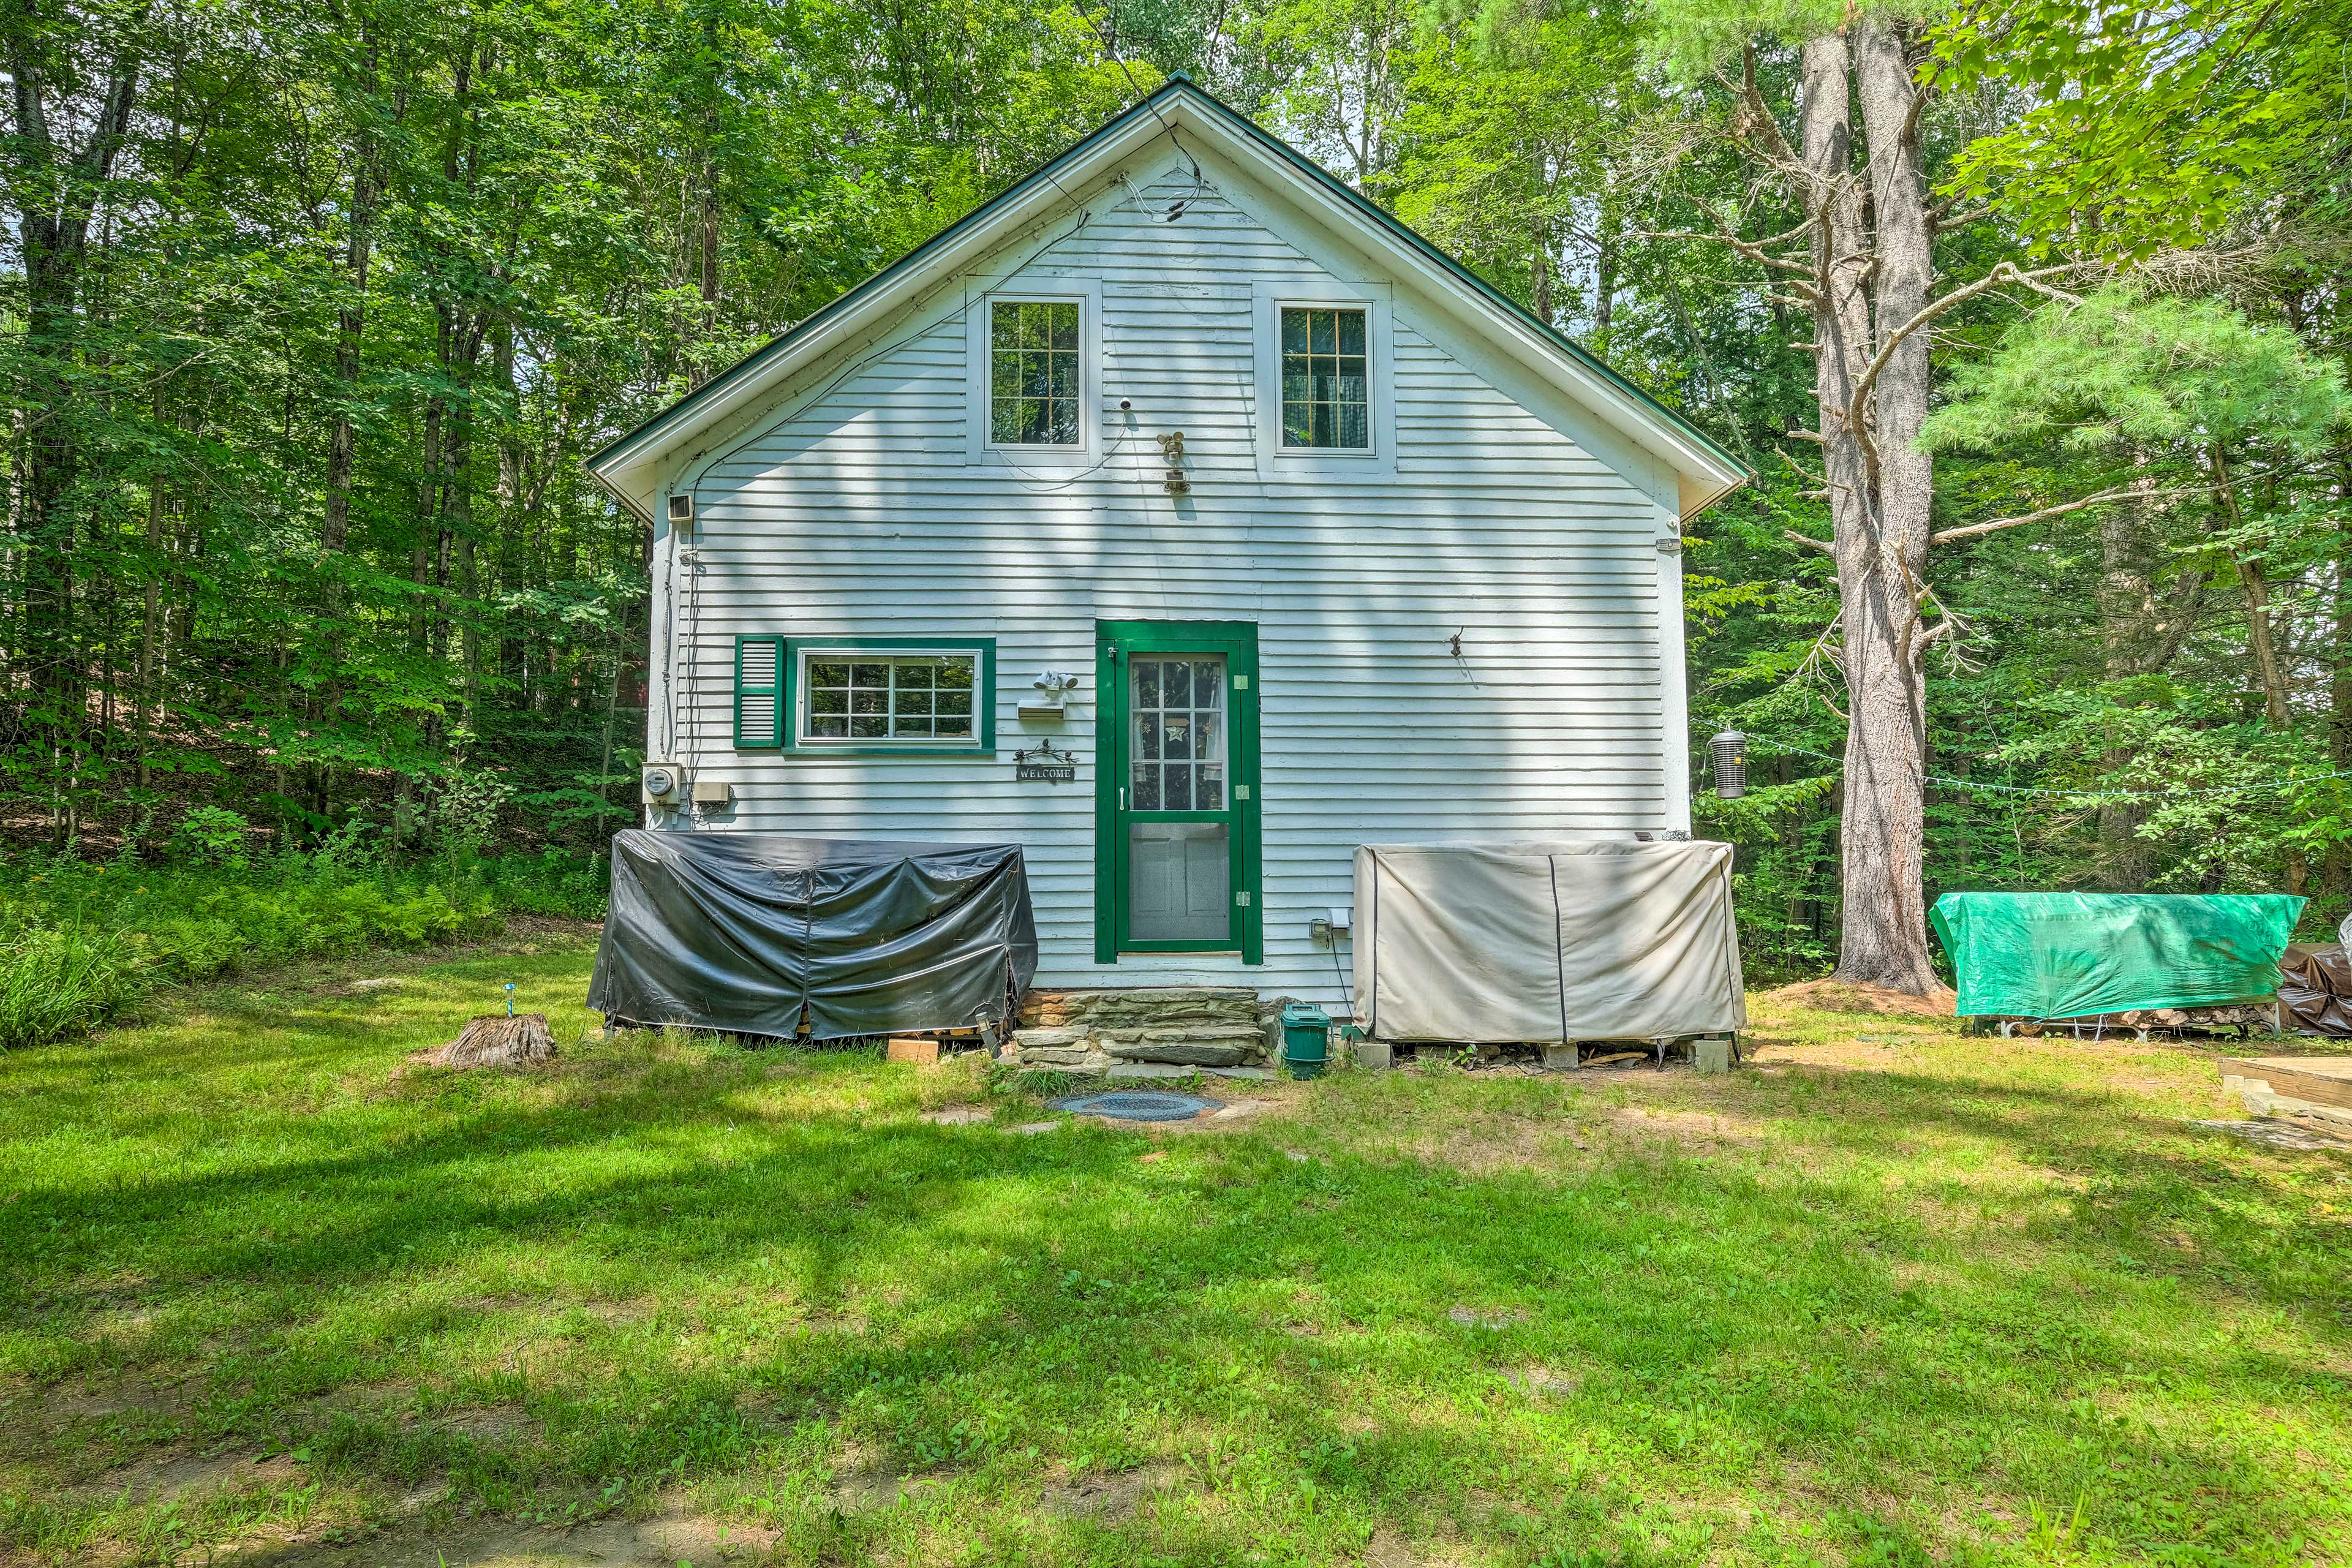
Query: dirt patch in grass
[(676, 1533), (1695, 1132), (873, 1488), (66, 1403), (1109, 1497), (1491, 1144), (181, 1475), (1537, 1380), (484, 1423), (1837, 996)]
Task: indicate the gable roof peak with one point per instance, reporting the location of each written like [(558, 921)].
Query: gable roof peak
[(1705, 471)]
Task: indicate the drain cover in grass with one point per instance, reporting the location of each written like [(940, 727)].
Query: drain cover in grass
[(1136, 1105)]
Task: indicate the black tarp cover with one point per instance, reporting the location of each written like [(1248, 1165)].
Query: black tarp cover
[(740, 931)]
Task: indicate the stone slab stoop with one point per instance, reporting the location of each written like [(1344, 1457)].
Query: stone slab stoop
[(1165, 1032)]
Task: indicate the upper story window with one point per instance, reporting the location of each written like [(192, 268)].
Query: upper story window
[(1324, 358), (1032, 374), (1035, 372), (1326, 378)]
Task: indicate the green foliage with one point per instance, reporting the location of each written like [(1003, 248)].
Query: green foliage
[(464, 246), (211, 835), (2119, 367), (2140, 130), (62, 980), (1691, 37), (79, 943)]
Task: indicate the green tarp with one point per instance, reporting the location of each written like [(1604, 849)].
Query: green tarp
[(2069, 956)]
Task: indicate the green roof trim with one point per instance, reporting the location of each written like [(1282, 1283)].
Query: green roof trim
[(1178, 84)]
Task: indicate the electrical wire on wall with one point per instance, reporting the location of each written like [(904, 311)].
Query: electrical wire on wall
[(1347, 992), (694, 663)]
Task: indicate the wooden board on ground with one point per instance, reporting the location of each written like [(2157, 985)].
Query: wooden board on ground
[(914, 1048), (2324, 1080)]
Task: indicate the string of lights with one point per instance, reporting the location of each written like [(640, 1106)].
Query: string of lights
[(2080, 797)]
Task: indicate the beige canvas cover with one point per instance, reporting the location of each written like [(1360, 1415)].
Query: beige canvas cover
[(1577, 940)]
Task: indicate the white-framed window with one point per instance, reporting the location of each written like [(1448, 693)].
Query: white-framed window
[(1034, 381), (1032, 373), (892, 694), (1326, 379)]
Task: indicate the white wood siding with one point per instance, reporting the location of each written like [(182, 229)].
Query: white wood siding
[(850, 508)]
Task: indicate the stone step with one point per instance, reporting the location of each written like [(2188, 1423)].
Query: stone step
[(1204, 1049), (1141, 1009), (1061, 1056), (1093, 1067)]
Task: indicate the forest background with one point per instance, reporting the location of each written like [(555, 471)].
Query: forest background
[(308, 312)]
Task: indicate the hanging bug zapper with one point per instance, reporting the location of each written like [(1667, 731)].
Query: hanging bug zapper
[(1728, 752)]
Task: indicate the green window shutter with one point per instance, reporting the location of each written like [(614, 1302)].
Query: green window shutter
[(759, 692)]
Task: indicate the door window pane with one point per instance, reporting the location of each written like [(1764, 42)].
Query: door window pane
[(1177, 754), (1326, 388)]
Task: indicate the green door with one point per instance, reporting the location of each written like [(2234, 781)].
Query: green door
[(1176, 814)]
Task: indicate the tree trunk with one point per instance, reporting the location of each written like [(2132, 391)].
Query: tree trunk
[(1604, 271), (2270, 675), (151, 611), (1880, 485), (2335, 873), (351, 321), (2123, 600), (53, 241)]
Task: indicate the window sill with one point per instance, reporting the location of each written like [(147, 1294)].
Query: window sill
[(1188, 950), (806, 750)]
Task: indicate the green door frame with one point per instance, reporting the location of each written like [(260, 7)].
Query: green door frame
[(1237, 640)]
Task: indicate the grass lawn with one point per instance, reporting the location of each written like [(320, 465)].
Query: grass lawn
[(1890, 1296)]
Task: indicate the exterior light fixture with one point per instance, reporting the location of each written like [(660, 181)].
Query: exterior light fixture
[(1171, 446)]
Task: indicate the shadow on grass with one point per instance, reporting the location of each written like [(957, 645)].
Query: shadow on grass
[(1334, 1346)]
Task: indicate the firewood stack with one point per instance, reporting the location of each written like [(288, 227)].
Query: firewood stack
[(2240, 1016)]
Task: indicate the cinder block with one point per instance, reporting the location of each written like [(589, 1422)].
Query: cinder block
[(1711, 1056), (916, 1049), (1375, 1054), (1561, 1059)]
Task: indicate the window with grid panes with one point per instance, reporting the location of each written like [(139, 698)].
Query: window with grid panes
[(921, 697), (1032, 373), (1325, 385)]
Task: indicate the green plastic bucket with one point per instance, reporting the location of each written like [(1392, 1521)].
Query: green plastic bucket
[(1306, 1039)]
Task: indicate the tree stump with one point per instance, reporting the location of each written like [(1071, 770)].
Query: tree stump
[(496, 1041)]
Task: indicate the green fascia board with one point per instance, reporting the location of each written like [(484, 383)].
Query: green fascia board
[(1178, 84)]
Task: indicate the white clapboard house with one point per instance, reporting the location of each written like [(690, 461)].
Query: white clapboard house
[(1185, 518)]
